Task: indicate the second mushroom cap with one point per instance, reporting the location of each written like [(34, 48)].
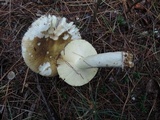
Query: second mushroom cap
[(79, 62)]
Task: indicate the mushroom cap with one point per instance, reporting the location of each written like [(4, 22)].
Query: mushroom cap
[(43, 42), (67, 68)]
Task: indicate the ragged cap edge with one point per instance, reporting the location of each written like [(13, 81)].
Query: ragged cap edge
[(41, 24), (53, 27), (45, 69)]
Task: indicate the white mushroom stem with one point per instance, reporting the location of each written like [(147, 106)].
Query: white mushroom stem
[(110, 59)]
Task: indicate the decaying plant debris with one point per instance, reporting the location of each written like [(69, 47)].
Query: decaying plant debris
[(114, 93)]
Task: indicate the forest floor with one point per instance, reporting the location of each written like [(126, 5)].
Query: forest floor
[(113, 94)]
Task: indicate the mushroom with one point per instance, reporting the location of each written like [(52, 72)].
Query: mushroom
[(43, 42), (79, 62)]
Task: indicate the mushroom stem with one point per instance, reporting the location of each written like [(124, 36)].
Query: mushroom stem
[(110, 59)]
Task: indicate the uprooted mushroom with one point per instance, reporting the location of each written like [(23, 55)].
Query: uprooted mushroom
[(52, 46)]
